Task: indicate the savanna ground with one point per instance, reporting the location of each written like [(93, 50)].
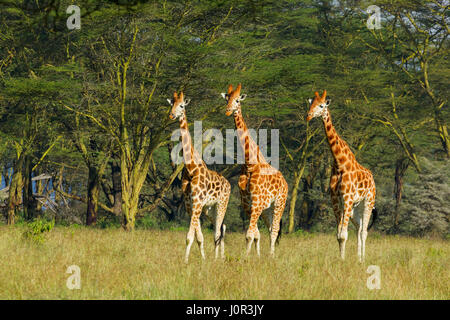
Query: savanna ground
[(148, 264)]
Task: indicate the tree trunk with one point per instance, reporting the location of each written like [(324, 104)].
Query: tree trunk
[(129, 210), (59, 184), (93, 189), (298, 178), (132, 182), (400, 170), (40, 187), (116, 188), (15, 190), (6, 176), (306, 204), (443, 132), (29, 203)]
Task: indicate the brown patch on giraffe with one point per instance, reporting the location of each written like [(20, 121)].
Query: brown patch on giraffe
[(348, 166)]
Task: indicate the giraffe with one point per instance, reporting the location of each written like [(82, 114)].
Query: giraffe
[(201, 187), (350, 182), (260, 184)]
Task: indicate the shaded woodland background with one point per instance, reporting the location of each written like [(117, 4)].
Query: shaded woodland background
[(84, 126)]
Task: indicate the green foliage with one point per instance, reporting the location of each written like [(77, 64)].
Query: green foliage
[(281, 52), (302, 233), (147, 222), (426, 203), (36, 231)]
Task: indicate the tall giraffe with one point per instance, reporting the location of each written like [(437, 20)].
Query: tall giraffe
[(260, 184), (201, 186), (350, 182)]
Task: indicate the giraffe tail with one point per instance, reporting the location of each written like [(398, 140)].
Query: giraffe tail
[(279, 232), (374, 217), (222, 232)]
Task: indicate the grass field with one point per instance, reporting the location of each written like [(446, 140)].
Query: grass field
[(148, 264)]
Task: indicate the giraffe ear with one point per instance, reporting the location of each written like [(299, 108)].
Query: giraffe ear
[(187, 101), (309, 101), (170, 102), (242, 97), (224, 95), (327, 102)]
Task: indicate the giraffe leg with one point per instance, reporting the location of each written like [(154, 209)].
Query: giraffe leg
[(276, 220), (222, 242), (191, 232), (194, 232), (253, 227), (220, 228), (200, 239), (342, 228), (337, 212), (357, 221), (257, 241), (368, 207), (189, 241)]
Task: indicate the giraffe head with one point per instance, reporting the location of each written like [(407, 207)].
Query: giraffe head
[(233, 98), (318, 105), (178, 106)]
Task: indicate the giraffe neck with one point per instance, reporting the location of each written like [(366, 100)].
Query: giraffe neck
[(252, 153), (192, 160), (339, 148)]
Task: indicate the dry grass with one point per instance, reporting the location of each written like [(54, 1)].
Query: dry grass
[(149, 265)]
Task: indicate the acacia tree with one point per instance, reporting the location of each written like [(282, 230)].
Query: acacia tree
[(127, 78), (414, 40)]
